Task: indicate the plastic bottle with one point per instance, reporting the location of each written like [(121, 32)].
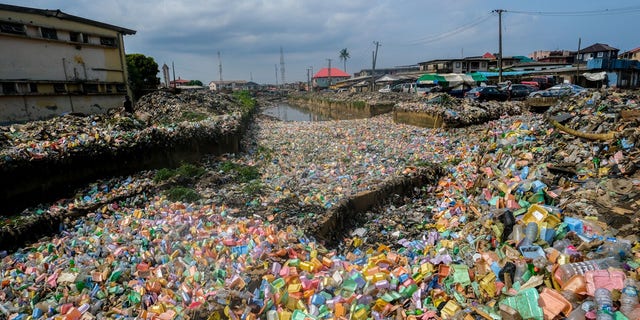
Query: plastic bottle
[(530, 234), (568, 270), (604, 304), (629, 297)]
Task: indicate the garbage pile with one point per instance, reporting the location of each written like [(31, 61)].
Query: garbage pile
[(367, 97), (507, 233), (161, 116), (458, 113)]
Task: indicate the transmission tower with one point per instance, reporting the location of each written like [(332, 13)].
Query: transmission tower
[(281, 66), (220, 67)]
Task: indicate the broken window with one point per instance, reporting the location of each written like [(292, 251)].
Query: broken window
[(59, 88), (13, 28), (9, 87), (90, 88), (49, 33), (108, 41), (74, 36)]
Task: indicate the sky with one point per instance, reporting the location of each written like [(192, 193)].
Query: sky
[(249, 34)]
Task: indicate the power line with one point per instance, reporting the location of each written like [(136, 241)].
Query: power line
[(602, 12), (464, 27)]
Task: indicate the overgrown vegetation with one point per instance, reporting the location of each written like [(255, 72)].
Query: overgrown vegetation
[(252, 188), (163, 174), (246, 100), (193, 116), (183, 194), (186, 171)]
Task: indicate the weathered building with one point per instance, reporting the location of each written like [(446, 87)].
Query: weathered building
[(55, 63)]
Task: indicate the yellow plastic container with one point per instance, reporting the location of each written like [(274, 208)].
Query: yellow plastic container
[(536, 214)]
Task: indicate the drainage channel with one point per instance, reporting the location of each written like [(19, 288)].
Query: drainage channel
[(350, 212)]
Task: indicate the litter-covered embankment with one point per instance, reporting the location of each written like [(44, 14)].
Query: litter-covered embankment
[(45, 160), (444, 111)]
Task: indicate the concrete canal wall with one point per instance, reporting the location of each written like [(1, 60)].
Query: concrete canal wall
[(349, 211), (341, 109)]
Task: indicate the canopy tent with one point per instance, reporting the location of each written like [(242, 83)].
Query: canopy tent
[(431, 78), (595, 76), (449, 79), (478, 77)]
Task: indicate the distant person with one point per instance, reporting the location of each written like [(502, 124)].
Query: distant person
[(128, 106), (509, 90)]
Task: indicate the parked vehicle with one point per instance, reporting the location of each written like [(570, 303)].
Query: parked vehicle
[(409, 87), (559, 90), (397, 87), (458, 91), (541, 82), (386, 88), (521, 91), (486, 93), (422, 89)]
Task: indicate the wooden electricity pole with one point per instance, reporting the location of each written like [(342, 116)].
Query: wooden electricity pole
[(499, 11)]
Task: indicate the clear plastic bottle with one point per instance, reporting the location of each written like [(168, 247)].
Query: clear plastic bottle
[(604, 304), (570, 269), (629, 297)]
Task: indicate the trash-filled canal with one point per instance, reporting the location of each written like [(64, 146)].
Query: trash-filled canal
[(286, 112)]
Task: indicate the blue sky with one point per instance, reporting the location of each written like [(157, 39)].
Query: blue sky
[(249, 33)]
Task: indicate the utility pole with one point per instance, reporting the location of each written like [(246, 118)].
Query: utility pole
[(373, 67), (499, 11), (220, 67), (578, 60), (308, 80), (276, 67), (282, 66), (329, 73), (311, 77), (173, 68)]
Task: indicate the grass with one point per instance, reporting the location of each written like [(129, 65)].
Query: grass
[(248, 173), (185, 171), (189, 170), (163, 174), (245, 99), (253, 187), (183, 194), (193, 116)]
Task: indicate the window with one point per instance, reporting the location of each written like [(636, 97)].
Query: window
[(74, 36), (457, 64), (90, 88), (59, 88), (108, 41), (49, 33), (600, 54), (580, 56), (13, 28), (121, 88), (9, 87), (33, 87)]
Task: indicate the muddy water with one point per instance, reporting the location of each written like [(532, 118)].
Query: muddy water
[(287, 112)]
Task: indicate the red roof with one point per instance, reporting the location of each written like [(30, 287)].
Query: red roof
[(488, 56), (335, 72)]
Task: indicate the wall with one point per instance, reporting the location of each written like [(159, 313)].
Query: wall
[(343, 110), (20, 108)]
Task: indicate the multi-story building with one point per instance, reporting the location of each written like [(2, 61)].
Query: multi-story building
[(55, 63)]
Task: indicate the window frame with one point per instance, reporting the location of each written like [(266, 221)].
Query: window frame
[(49, 33), (12, 28)]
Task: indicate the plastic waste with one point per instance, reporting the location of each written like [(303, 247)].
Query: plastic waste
[(629, 298), (566, 271), (604, 304)]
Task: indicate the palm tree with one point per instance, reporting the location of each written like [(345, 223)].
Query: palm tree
[(344, 55)]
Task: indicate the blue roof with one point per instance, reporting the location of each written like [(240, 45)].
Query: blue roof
[(489, 74)]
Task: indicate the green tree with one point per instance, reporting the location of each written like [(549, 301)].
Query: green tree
[(143, 73), (194, 83), (344, 55)]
